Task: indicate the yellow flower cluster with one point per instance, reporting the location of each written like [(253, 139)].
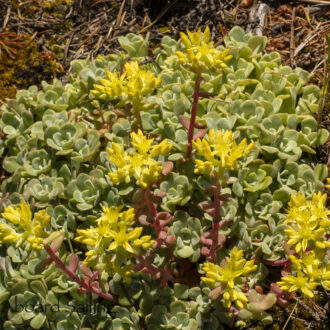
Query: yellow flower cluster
[(328, 185), (220, 151), (114, 231), (308, 222), (199, 53), (27, 229), (132, 85), (229, 276), (139, 164)]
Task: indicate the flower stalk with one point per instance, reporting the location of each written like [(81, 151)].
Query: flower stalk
[(85, 285)]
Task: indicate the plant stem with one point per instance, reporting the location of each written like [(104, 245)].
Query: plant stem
[(217, 216), (150, 204), (59, 263), (193, 113)]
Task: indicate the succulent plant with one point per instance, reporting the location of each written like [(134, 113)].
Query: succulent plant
[(134, 45), (84, 192), (177, 191), (178, 316), (54, 142), (257, 177), (44, 189), (31, 163), (257, 306), (187, 231), (62, 139)]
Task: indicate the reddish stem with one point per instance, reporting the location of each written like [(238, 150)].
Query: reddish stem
[(151, 206), (87, 286), (217, 216), (152, 209), (193, 114)]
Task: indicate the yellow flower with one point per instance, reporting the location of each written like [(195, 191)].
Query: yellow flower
[(131, 86), (229, 276), (114, 217), (30, 230), (114, 230), (304, 235), (298, 283), (300, 210), (139, 81), (139, 164), (8, 234), (199, 53), (144, 242), (220, 151), (112, 87), (328, 185), (307, 222), (122, 238), (18, 215)]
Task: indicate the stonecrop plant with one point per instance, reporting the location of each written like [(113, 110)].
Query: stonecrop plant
[(139, 164), (308, 232), (161, 192)]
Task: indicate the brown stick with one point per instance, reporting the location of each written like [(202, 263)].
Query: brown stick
[(292, 40)]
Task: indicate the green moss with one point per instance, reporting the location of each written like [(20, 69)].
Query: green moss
[(29, 66)]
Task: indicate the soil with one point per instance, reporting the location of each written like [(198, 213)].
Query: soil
[(39, 39)]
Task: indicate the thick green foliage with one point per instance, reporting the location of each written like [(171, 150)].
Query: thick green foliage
[(54, 155)]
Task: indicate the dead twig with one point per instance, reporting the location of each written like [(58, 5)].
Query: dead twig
[(287, 321), (315, 2), (310, 37), (292, 40), (258, 13), (161, 14), (310, 311)]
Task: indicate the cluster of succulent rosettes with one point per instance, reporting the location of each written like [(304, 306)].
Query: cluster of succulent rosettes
[(257, 305), (139, 163), (54, 141), (130, 86), (114, 232), (308, 234), (226, 280), (220, 151), (199, 53), (24, 228)]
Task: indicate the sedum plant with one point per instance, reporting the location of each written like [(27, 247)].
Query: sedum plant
[(162, 190), (308, 227)]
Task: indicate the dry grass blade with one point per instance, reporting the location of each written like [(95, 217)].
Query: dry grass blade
[(325, 84), (10, 42), (292, 39), (287, 321), (315, 2)]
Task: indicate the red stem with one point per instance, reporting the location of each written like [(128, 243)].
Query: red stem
[(152, 208), (59, 263), (217, 216), (193, 114)]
